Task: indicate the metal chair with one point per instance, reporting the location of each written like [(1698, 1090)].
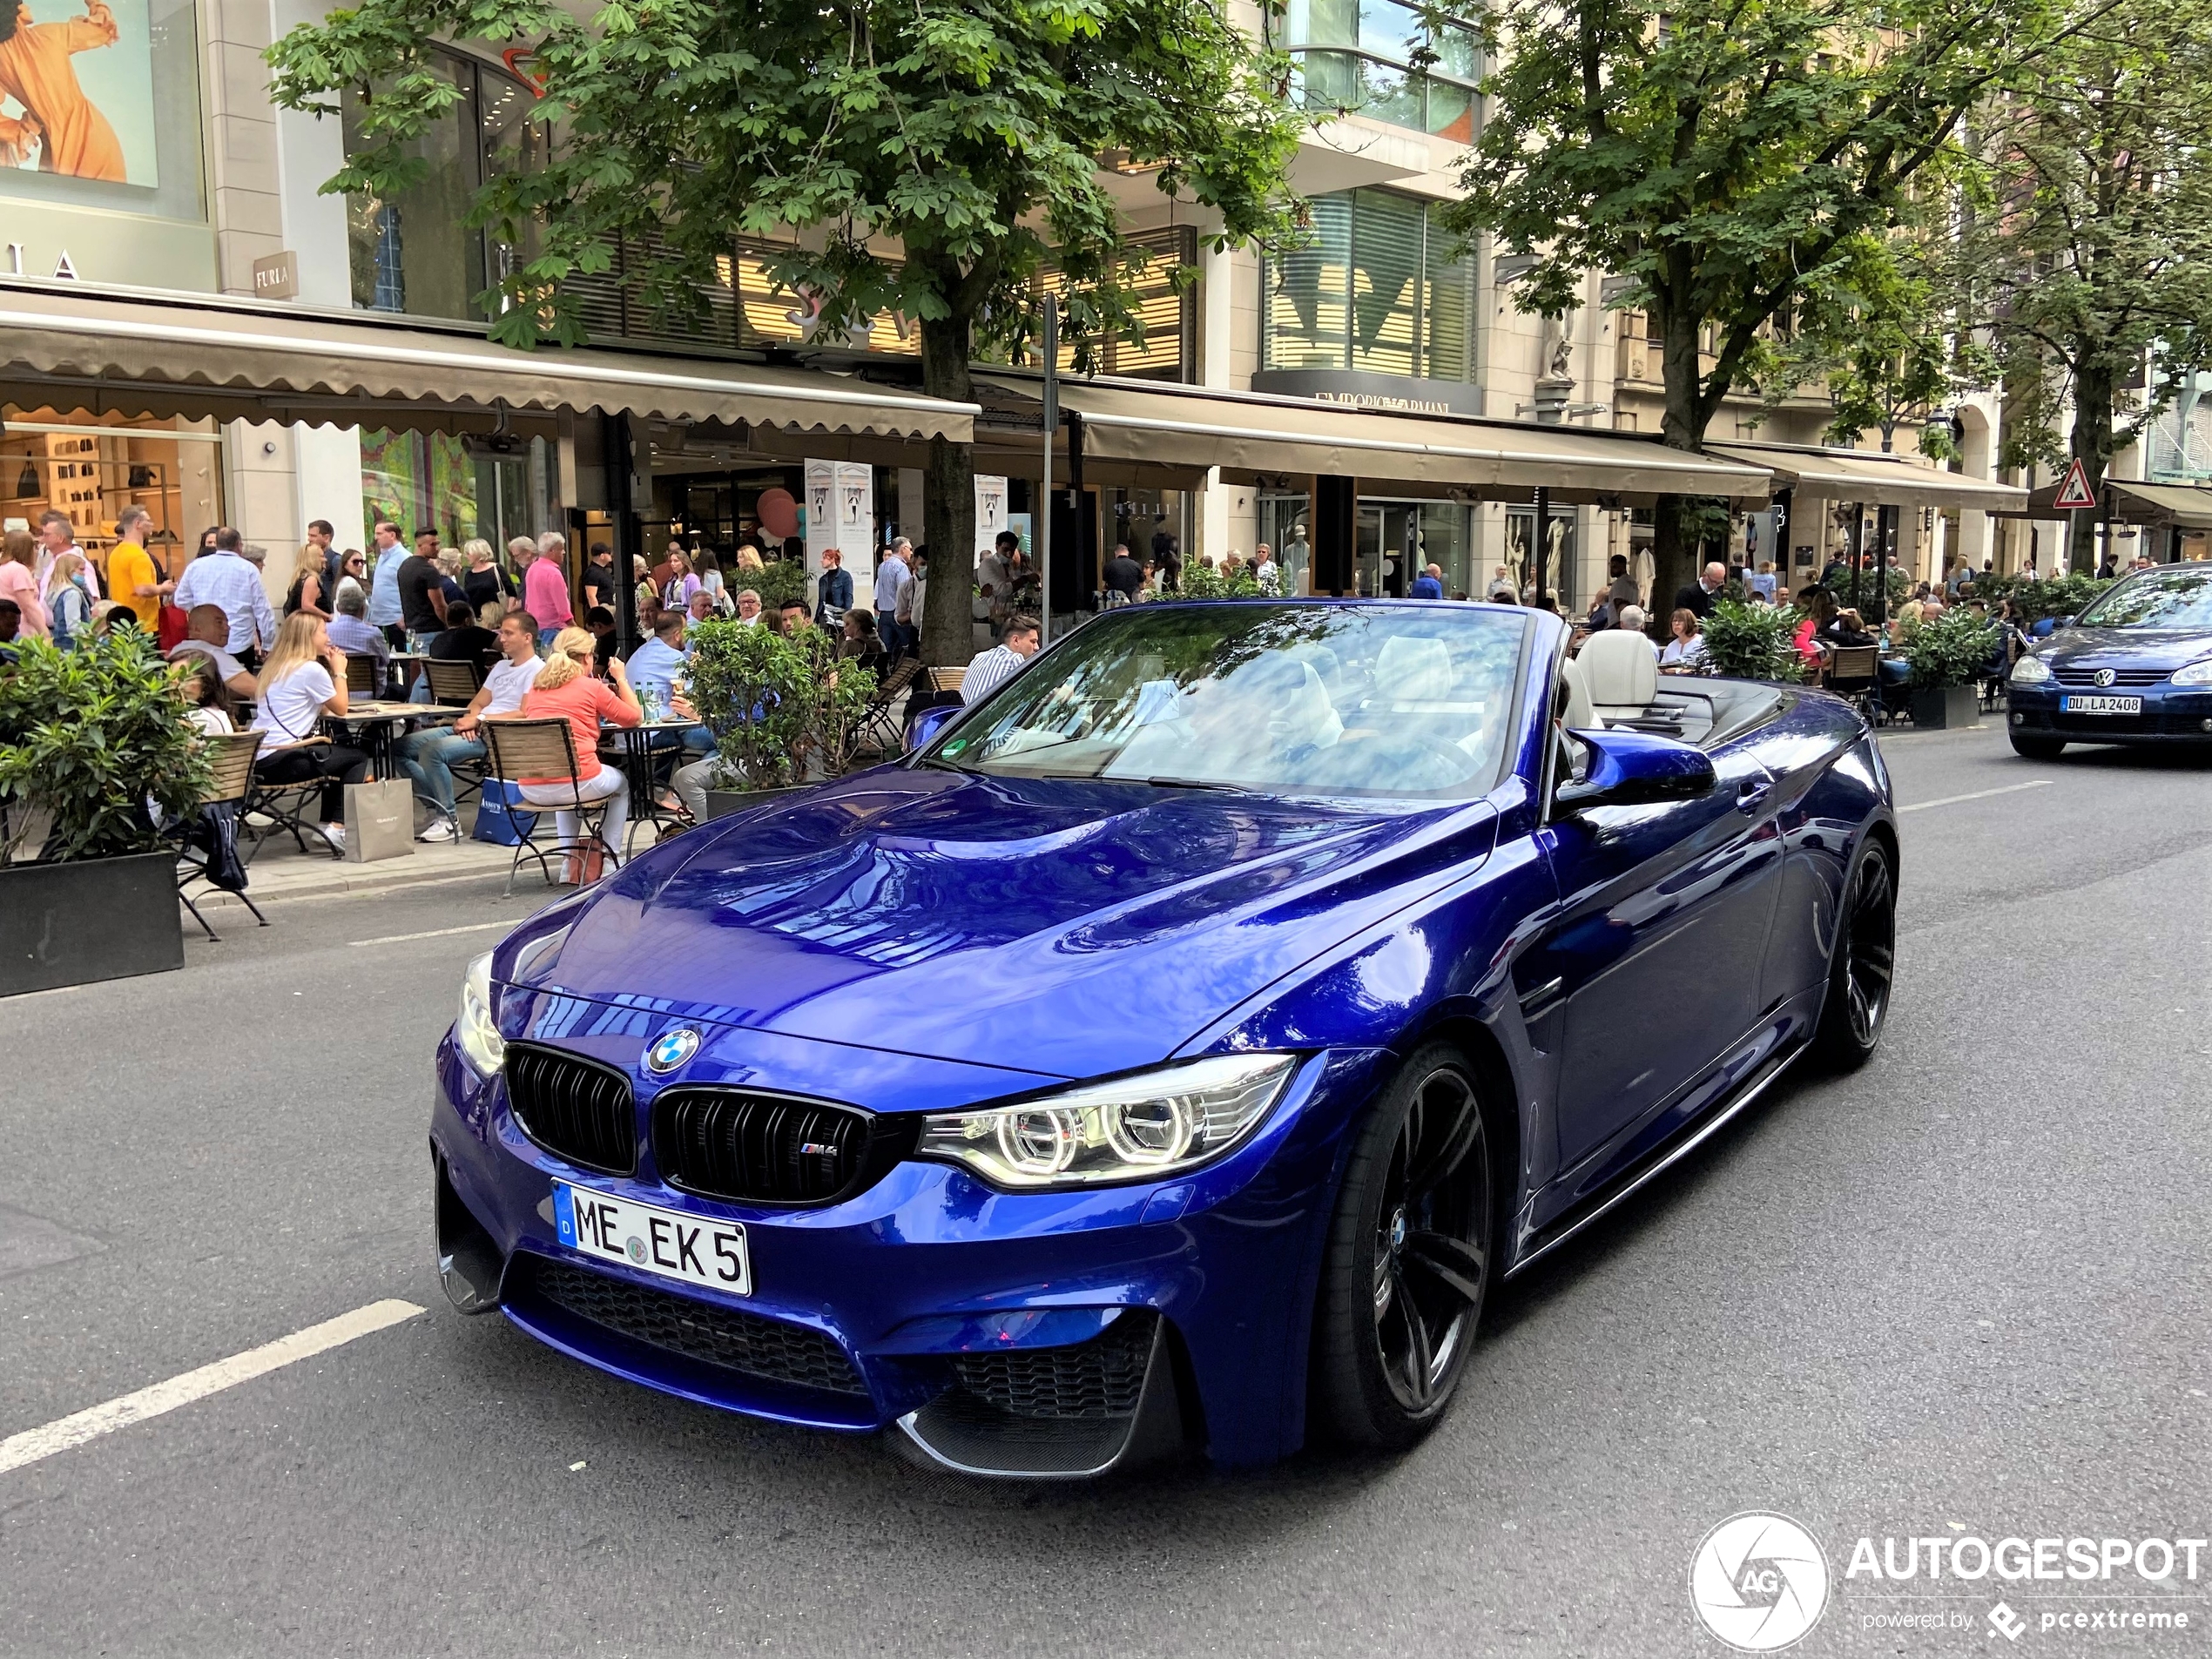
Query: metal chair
[(1854, 672), (286, 807), (231, 756), (879, 728), (361, 676), (545, 749)]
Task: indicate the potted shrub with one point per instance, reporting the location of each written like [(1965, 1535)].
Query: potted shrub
[(782, 710), (1947, 655), (92, 740), (1748, 642)]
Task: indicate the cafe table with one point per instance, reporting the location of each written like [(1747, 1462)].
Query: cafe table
[(373, 726), (638, 755)]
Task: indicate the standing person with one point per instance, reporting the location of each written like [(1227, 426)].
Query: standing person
[(132, 576), (304, 679), (422, 600), (1269, 574), (352, 572), (993, 668), (309, 590), (1123, 576), (1620, 587), (222, 577), (995, 569), (69, 608), (708, 568), (384, 609), (1700, 595), (321, 536), (833, 590), (913, 599), (1501, 590), (430, 755), (57, 536), (1429, 584), (680, 584), (599, 578), (484, 582), (545, 586), (566, 690), (892, 578)]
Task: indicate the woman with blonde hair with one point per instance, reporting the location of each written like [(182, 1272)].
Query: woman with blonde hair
[(565, 690), (69, 608), (302, 680), (485, 583)]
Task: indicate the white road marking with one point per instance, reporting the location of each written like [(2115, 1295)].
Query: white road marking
[(1979, 794), (89, 1425), (436, 933)]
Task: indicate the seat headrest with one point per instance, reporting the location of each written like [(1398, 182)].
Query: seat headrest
[(1580, 716), (1413, 670), (1619, 668)]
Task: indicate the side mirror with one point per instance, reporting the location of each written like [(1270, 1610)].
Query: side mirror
[(2058, 623), (1635, 769), (926, 725)]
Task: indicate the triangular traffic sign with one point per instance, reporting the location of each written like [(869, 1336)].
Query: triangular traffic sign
[(2075, 491)]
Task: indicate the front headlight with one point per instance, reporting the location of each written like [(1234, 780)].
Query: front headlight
[(1131, 1128), (2030, 671), (474, 1028), (2198, 673)]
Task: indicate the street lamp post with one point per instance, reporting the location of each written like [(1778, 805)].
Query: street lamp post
[(1051, 425)]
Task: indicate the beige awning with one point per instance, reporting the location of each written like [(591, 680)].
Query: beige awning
[(1864, 475), (1253, 437), (199, 356), (2136, 503)]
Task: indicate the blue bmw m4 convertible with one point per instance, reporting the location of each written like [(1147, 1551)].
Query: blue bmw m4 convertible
[(1173, 1051)]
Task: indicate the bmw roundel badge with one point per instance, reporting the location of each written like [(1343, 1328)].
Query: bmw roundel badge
[(670, 1049)]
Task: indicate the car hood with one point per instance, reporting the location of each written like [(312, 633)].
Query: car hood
[(2159, 648), (1068, 928)]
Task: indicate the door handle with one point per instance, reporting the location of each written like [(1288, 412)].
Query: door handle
[(1751, 794)]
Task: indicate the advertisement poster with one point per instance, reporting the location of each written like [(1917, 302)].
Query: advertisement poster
[(77, 89), (990, 512), (840, 513)]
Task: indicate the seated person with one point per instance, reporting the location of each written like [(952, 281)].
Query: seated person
[(993, 668), (859, 640), (1848, 629), (199, 682), (565, 689), (351, 633), (471, 638), (600, 622), (430, 754), (207, 633), (1685, 652), (657, 670), (303, 679)]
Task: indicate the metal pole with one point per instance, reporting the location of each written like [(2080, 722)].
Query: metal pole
[(1540, 554), (1051, 426)]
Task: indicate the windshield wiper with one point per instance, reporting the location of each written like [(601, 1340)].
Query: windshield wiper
[(1183, 783)]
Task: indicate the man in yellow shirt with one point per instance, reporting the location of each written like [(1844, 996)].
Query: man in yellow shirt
[(131, 578)]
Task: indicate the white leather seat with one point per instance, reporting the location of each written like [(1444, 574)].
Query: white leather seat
[(1413, 670), (1580, 716), (1621, 672)]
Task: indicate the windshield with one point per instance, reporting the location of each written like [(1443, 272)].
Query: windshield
[(2180, 596), (1376, 699)]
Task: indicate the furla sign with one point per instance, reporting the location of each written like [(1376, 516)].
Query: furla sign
[(63, 266)]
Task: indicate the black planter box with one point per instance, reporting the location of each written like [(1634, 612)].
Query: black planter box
[(1939, 708), (720, 803), (71, 924)]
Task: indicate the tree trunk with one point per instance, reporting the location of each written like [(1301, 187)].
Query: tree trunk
[(2092, 445), (948, 504), (1674, 544)]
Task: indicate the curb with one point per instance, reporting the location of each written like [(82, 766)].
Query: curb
[(358, 884)]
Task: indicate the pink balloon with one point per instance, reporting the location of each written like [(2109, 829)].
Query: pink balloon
[(779, 514)]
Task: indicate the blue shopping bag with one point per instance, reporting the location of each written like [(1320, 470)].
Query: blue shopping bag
[(497, 819)]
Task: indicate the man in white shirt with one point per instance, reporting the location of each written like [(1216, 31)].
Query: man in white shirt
[(998, 665), (430, 755), (57, 536), (221, 576)]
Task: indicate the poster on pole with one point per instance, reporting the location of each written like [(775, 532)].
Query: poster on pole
[(840, 513), (990, 512)]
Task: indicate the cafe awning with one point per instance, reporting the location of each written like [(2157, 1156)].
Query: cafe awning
[(1253, 438), (1869, 476), (2136, 503), (200, 356)]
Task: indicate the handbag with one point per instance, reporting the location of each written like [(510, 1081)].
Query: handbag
[(170, 623)]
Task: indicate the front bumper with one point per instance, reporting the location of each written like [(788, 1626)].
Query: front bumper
[(900, 1304), (2170, 714)]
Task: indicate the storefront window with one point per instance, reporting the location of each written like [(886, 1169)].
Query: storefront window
[(437, 481), (1360, 56), (1378, 287), (93, 467)]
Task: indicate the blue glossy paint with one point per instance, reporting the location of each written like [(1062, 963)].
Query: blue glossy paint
[(913, 940)]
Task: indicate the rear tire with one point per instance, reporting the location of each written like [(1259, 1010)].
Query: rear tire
[(2038, 748), (1860, 972), (1411, 1253)]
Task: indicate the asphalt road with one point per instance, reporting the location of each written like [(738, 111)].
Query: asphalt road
[(1964, 1292)]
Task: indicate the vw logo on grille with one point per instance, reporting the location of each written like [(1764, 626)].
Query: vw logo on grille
[(670, 1049), (2105, 677)]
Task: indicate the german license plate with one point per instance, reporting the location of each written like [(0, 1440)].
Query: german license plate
[(2101, 706), (667, 1242)]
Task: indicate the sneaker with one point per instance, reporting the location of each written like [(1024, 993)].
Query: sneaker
[(438, 829), (335, 834)]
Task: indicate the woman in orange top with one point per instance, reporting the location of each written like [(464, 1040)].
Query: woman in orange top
[(36, 72), (565, 690)]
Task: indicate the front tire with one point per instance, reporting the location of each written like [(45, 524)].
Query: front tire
[(1861, 970), (1411, 1255), (2038, 748)]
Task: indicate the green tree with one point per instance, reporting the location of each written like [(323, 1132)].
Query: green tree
[(2097, 242), (1735, 160), (930, 156)]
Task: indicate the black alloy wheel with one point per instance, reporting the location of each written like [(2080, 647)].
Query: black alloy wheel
[(1864, 967), (1411, 1255)]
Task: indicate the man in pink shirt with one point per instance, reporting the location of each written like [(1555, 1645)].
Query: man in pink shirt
[(545, 587)]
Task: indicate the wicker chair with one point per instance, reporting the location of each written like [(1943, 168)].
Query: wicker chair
[(1853, 673), (361, 677), (947, 679), (453, 681), (515, 750), (879, 728), (232, 755)]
